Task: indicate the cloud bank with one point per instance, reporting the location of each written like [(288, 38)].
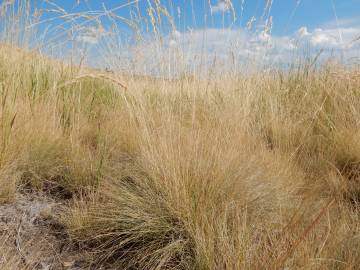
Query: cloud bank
[(181, 52)]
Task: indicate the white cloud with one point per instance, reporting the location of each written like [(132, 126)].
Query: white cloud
[(87, 39), (221, 6), (302, 32), (172, 43), (321, 38), (340, 38), (266, 49), (194, 48), (176, 34), (91, 35)]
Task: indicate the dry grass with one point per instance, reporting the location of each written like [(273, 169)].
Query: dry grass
[(256, 171), (252, 173)]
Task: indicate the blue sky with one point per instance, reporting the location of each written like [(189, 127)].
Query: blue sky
[(280, 28), (288, 15)]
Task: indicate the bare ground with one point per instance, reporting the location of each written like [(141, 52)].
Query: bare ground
[(32, 238)]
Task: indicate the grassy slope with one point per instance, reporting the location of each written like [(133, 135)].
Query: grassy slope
[(255, 172)]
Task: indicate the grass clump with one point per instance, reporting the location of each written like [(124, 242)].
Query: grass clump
[(186, 197), (130, 225)]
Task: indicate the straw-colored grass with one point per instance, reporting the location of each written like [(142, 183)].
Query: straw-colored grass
[(255, 172), (248, 171)]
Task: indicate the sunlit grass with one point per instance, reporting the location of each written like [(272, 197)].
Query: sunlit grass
[(250, 171)]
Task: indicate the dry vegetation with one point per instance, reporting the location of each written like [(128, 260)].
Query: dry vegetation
[(255, 171)]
